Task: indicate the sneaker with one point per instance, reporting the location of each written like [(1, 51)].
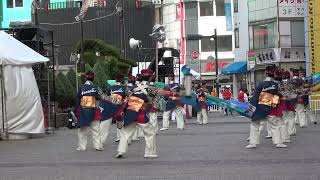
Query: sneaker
[(181, 129), (251, 146), (248, 139), (205, 123), (281, 146), (287, 141), (163, 129), (268, 137), (199, 123), (117, 140), (150, 156), (100, 149), (119, 155), (135, 139), (80, 149)]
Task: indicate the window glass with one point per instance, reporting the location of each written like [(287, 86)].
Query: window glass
[(263, 36), (220, 8), (236, 37), (19, 3), (191, 10), (235, 6), (297, 34), (9, 3), (206, 8), (224, 44)]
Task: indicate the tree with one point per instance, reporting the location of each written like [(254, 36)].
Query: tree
[(88, 67), (71, 75), (69, 91), (101, 78), (97, 51), (60, 91)]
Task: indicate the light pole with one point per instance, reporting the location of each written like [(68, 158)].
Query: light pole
[(216, 59)]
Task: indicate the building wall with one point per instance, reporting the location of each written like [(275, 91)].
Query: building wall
[(241, 22), (16, 13)]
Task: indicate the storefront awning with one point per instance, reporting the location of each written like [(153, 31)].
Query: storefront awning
[(235, 68)]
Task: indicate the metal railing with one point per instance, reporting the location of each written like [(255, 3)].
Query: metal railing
[(314, 103)]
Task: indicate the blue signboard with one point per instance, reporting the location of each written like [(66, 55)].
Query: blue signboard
[(228, 11)]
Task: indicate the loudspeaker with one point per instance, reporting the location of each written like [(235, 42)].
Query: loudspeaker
[(134, 44)]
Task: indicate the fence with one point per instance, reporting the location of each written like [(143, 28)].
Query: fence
[(314, 103)]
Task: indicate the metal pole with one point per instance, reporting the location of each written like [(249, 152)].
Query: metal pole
[(157, 62), (82, 48), (200, 69), (216, 59)]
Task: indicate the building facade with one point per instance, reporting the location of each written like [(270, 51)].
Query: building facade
[(276, 29), (200, 17), (14, 10)]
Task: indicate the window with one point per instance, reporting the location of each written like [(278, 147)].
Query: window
[(220, 8), (10, 3), (14, 3), (207, 45), (297, 34), (206, 8), (224, 44), (235, 6), (264, 36), (236, 37)]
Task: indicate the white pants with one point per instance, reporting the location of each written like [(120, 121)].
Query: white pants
[(154, 121), (118, 134), (301, 115), (274, 127), (311, 116), (83, 135), (179, 115), (269, 130), (104, 130), (204, 114), (150, 138), (284, 124), (290, 117)]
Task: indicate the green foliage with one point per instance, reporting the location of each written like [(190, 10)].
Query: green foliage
[(65, 92), (88, 68), (109, 57), (101, 78), (71, 75)]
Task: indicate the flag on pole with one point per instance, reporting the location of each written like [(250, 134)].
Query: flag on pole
[(83, 10)]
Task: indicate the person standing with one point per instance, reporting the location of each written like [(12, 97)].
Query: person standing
[(241, 96), (201, 95), (227, 95), (86, 107), (173, 104), (117, 94), (266, 100)]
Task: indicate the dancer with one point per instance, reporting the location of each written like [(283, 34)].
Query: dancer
[(173, 104), (202, 94), (110, 108), (87, 108), (266, 100)]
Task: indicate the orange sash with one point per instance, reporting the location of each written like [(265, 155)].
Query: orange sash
[(88, 102), (135, 103), (269, 99)]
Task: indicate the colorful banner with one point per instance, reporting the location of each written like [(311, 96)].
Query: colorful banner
[(314, 36), (228, 13)]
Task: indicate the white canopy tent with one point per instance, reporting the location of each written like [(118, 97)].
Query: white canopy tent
[(20, 108)]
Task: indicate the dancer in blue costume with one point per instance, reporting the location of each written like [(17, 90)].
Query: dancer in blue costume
[(174, 103), (266, 99), (117, 94), (201, 95), (87, 107), (135, 114)]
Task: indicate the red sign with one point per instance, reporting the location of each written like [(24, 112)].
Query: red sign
[(211, 66), (195, 55)]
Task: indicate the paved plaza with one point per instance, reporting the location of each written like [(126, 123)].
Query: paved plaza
[(215, 151)]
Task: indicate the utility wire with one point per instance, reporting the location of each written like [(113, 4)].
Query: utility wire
[(76, 22)]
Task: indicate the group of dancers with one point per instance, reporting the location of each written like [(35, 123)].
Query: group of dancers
[(134, 105), (281, 102)]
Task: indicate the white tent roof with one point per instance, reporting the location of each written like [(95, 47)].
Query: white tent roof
[(13, 52)]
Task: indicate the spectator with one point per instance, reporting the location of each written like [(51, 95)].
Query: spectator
[(241, 96), (227, 96)]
